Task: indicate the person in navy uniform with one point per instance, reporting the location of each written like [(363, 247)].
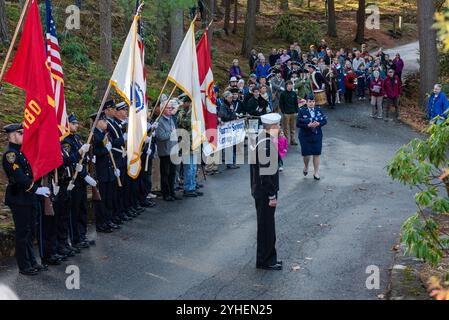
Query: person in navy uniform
[(106, 175), (21, 198), (264, 171), (310, 121), (78, 192)]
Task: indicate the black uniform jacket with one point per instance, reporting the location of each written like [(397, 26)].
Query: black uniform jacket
[(103, 164), (265, 171), (21, 188)]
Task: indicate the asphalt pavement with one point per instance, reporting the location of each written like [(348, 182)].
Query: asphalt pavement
[(328, 231)]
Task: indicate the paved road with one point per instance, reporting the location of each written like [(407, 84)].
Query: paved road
[(409, 53), (205, 248)]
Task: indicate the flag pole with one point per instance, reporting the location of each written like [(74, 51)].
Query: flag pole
[(136, 17), (91, 134), (158, 98), (14, 38)]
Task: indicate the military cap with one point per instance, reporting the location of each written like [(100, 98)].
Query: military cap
[(101, 117), (109, 104), (13, 127), (121, 106), (311, 97), (271, 118), (72, 118)]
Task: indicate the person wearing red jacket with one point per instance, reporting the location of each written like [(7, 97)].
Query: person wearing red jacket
[(377, 94), (392, 91), (350, 84)]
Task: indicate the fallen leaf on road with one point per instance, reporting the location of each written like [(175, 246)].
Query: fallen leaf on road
[(125, 238), (395, 248), (323, 225), (363, 189), (296, 268), (308, 258), (104, 257)]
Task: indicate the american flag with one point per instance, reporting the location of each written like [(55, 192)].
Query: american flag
[(142, 51), (55, 66)]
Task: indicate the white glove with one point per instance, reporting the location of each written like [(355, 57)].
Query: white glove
[(108, 146), (70, 186), (155, 125), (85, 148), (117, 172), (55, 188), (43, 191), (79, 167), (91, 181), (125, 136)]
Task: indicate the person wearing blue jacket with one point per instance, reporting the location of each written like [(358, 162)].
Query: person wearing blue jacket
[(310, 120), (438, 106), (262, 69)]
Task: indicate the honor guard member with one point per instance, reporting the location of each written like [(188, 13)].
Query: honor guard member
[(21, 198), (264, 172), (146, 158), (106, 174), (116, 138), (78, 191)]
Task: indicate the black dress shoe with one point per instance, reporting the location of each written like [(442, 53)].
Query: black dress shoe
[(275, 267), (81, 245), (74, 249), (131, 214), (113, 226), (117, 221), (199, 193), (52, 261), (190, 194), (125, 218), (169, 198), (139, 209), (145, 204), (316, 178), (28, 272), (65, 252), (104, 229), (151, 203), (40, 267), (60, 257), (199, 185), (305, 173)]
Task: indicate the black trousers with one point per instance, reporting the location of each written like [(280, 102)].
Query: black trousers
[(78, 213), (348, 95), (24, 221), (168, 174), (62, 213), (331, 97), (108, 195), (145, 180), (47, 232), (266, 233)]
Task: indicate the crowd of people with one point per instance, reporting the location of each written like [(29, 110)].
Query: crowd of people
[(291, 84)]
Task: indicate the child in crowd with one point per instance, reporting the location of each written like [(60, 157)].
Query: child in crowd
[(282, 145)]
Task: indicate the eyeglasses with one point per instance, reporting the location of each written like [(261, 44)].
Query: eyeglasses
[(20, 132)]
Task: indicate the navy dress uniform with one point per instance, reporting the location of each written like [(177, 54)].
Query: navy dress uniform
[(264, 172), (78, 195), (106, 178), (311, 139), (21, 198)]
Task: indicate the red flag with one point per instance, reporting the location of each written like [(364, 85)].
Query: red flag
[(29, 71), (207, 88)]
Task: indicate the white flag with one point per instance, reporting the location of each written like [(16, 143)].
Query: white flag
[(129, 69), (184, 73)]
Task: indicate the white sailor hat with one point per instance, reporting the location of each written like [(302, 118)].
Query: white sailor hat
[(271, 118)]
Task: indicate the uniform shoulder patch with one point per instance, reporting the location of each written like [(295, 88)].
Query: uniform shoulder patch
[(11, 157), (67, 147)]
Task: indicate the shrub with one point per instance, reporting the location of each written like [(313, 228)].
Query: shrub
[(292, 29), (75, 51)]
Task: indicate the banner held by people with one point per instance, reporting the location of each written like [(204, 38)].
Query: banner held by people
[(29, 71), (129, 81), (184, 74)]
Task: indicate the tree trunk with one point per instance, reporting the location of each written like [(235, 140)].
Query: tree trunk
[(250, 28), (227, 16), (210, 15), (4, 32), (257, 6), (360, 36), (176, 32), (236, 16), (105, 45), (428, 53), (331, 21), (283, 5)]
